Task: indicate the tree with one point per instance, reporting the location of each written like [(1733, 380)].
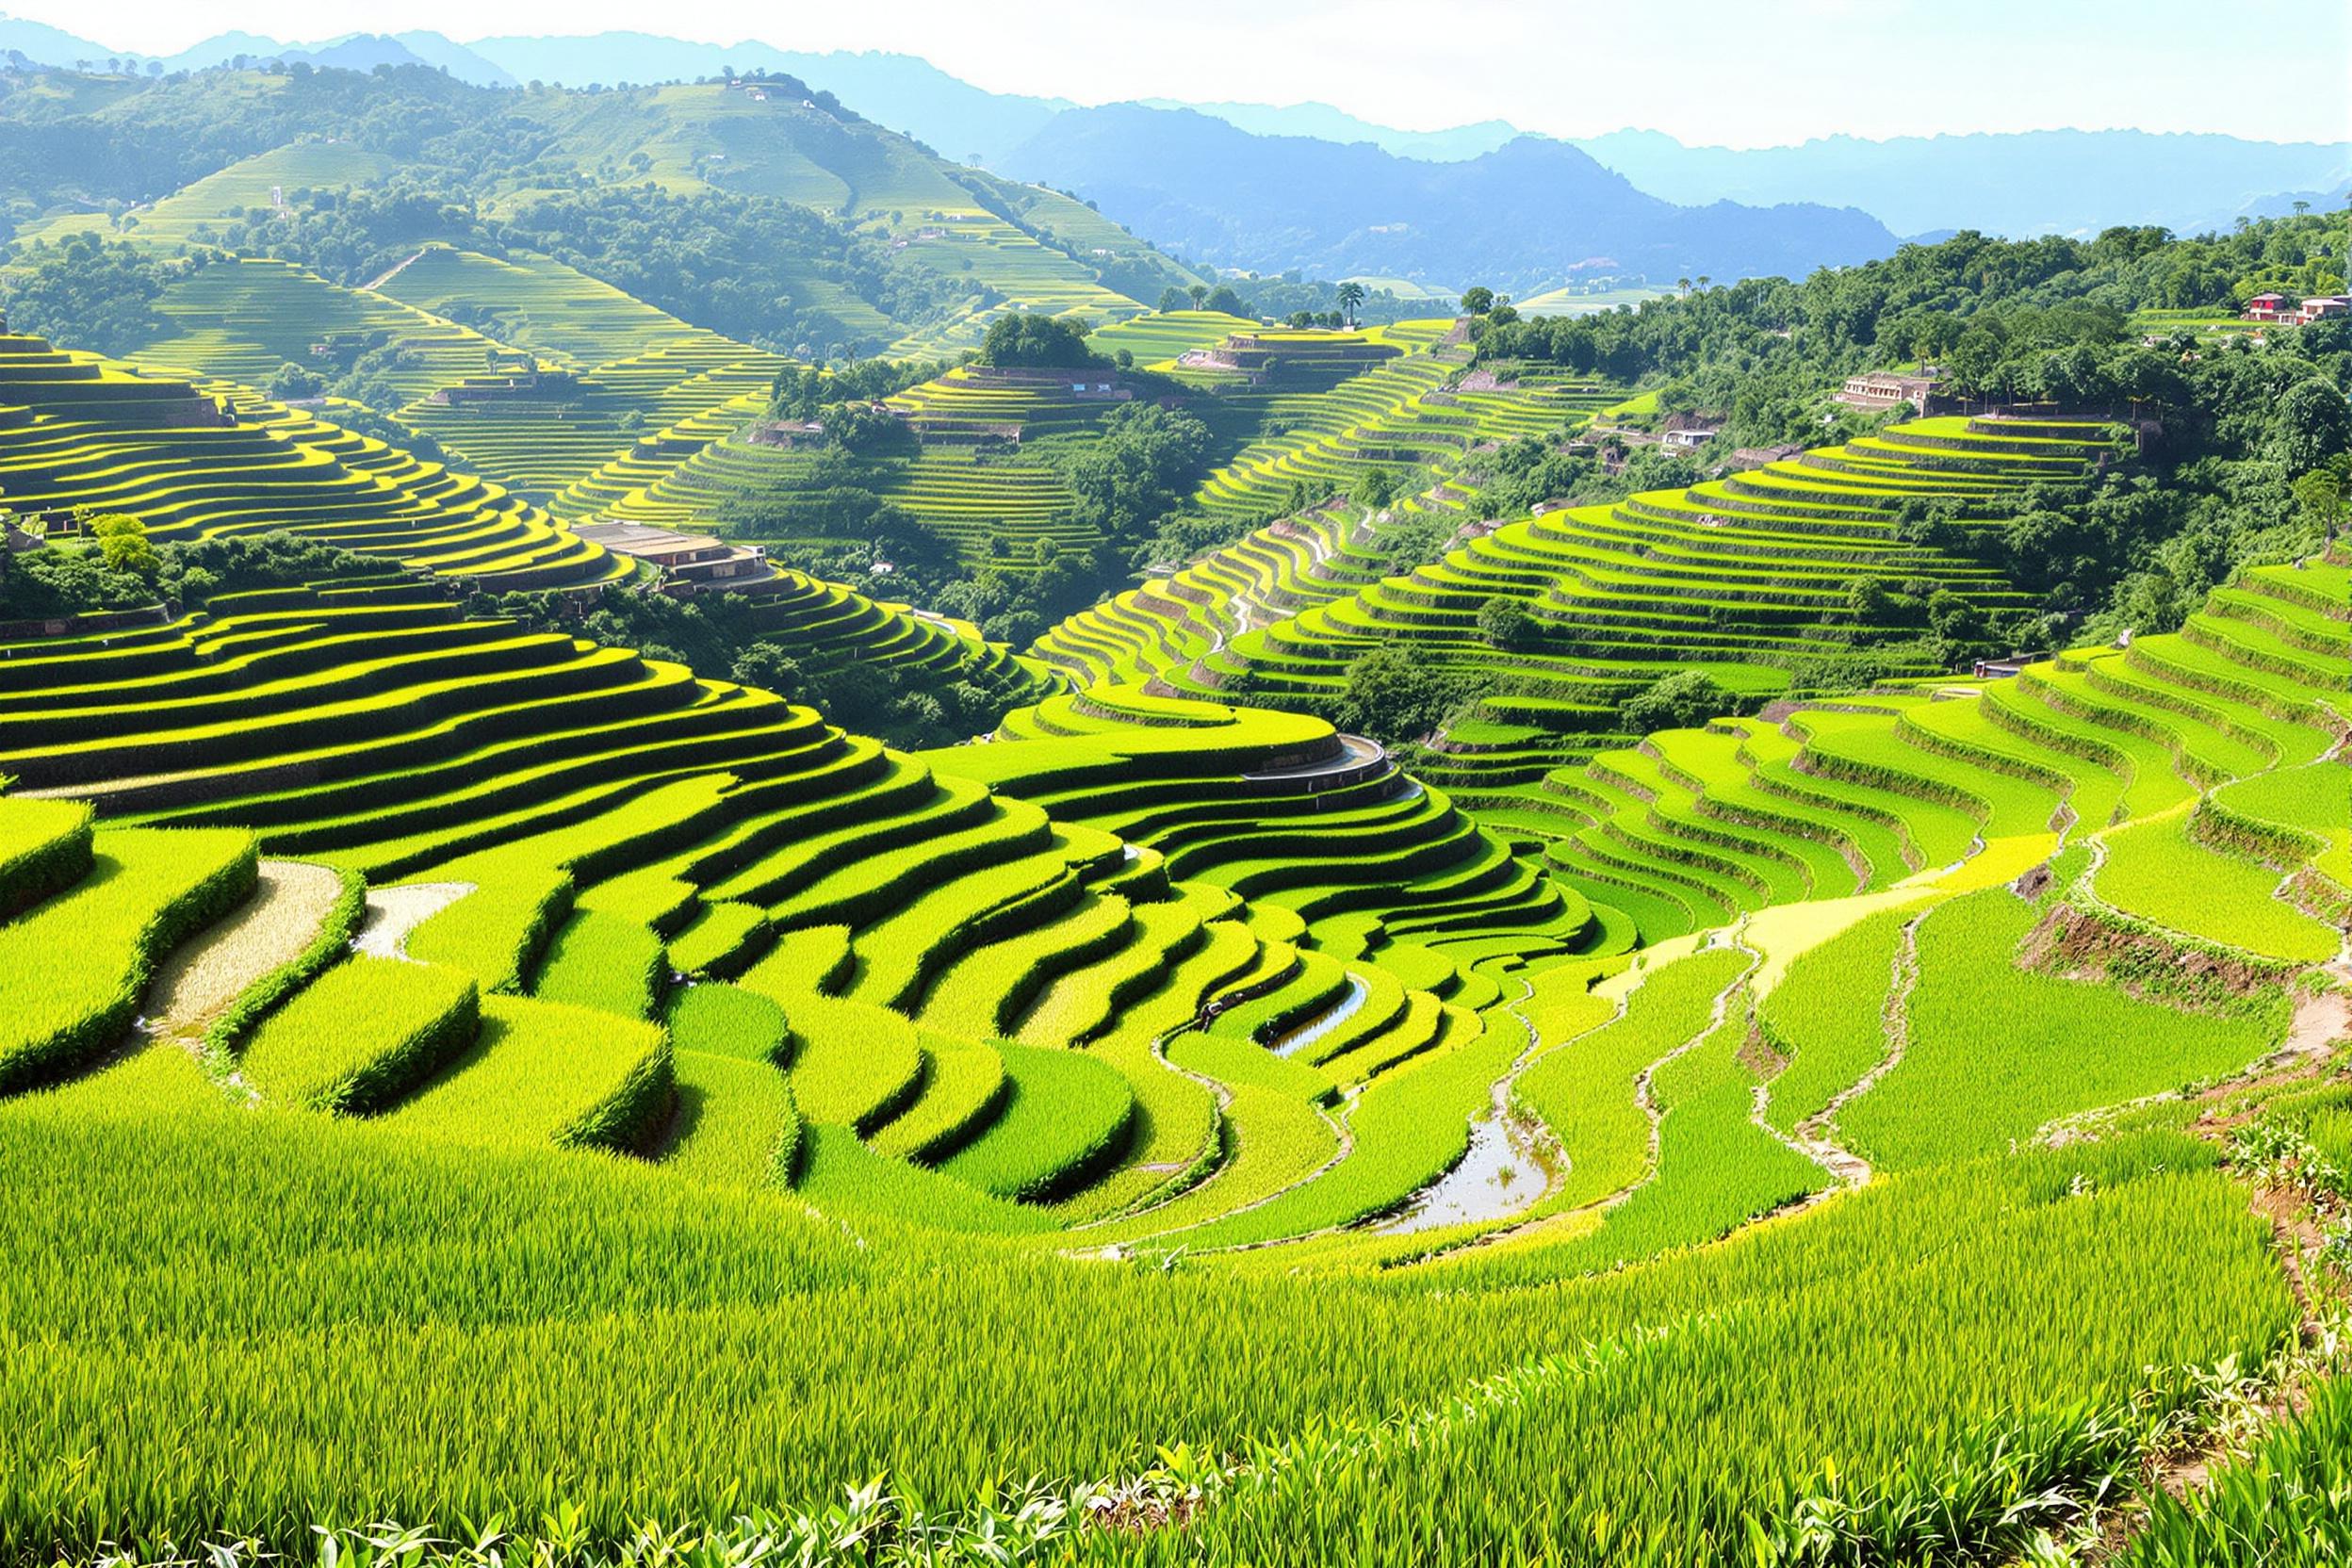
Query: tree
[(1350, 295), (1506, 625), (2311, 424), (85, 293), (771, 669), (1172, 298), (1038, 342), (1393, 697), (1146, 459), (122, 541), (862, 430), (1477, 301), (1375, 489), (294, 383), (1199, 293), (1226, 302), (2324, 492), (1677, 701)]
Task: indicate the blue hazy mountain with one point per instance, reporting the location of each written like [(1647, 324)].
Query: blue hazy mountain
[(1531, 214)]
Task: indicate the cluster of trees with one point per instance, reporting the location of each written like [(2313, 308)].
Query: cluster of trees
[(1286, 295), (831, 517), (1030, 342), (114, 565), (2233, 430), (716, 636), (1510, 480), (803, 391), (87, 293), (1144, 462), (1221, 299), (1400, 699), (1990, 310)]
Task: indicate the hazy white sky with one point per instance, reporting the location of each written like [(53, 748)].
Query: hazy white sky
[(1714, 70)]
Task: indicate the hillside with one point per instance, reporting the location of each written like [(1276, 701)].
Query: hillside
[(1525, 217), (1209, 989), (764, 210), (724, 846)]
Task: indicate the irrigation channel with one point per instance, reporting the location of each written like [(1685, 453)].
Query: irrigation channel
[(1504, 1172), (1315, 1028)]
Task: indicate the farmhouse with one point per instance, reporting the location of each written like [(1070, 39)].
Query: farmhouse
[(686, 563), (1884, 390), (2268, 307), (2323, 307), (1689, 431), (789, 434)]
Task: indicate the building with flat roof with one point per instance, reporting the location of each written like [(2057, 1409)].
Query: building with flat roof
[(1884, 390)]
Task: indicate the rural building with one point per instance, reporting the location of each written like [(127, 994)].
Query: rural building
[(2324, 306), (2268, 307), (789, 434), (1884, 390), (1688, 431), (688, 563)]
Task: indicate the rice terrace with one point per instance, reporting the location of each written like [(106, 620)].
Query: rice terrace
[(960, 790)]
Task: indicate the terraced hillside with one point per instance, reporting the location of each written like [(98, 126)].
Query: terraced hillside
[(1334, 407), (557, 312), (242, 321), (83, 435), (638, 386), (1179, 982), (614, 820), (264, 183), (1741, 577), (474, 1091), (79, 432), (990, 507)]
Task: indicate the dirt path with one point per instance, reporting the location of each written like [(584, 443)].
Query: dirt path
[(1816, 1134), (394, 912), (396, 272), (2319, 1022), (1643, 1095), (268, 931)]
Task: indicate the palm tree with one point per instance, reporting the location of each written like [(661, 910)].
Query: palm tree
[(1683, 283), (1350, 295), (1704, 280)]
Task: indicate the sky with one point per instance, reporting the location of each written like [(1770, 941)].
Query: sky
[(1744, 74)]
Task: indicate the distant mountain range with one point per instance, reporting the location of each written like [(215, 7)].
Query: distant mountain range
[(2060, 180), (1326, 124), (2035, 182), (1523, 217)]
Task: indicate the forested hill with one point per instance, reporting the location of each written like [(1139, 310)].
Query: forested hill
[(1525, 216), (766, 208)]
